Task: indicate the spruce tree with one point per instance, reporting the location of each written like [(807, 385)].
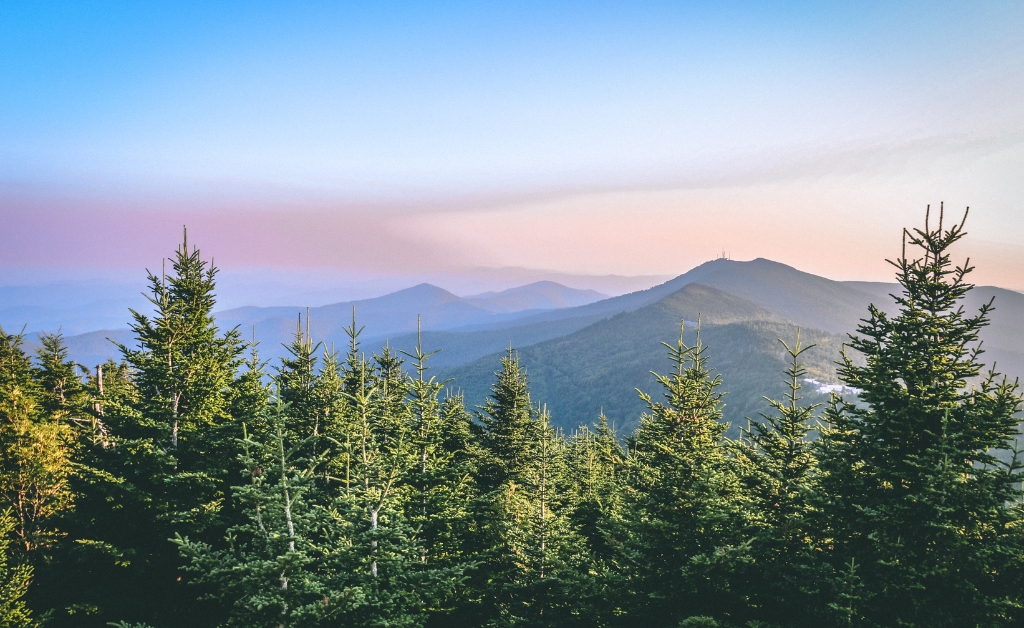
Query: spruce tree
[(592, 484), (594, 473), (919, 503), (374, 462), (279, 568), (35, 450), (386, 555), (779, 469), (161, 460), (684, 504), (529, 551), (509, 428), (250, 396), (64, 396), (296, 380), (442, 474), (14, 581)]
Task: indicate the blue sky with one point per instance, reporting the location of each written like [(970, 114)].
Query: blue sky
[(561, 124)]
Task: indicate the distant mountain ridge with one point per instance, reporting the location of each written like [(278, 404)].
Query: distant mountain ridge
[(584, 354), (539, 295), (400, 312)]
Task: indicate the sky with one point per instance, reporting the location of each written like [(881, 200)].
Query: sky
[(396, 138)]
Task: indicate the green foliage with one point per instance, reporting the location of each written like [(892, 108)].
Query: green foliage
[(189, 486), (684, 503), (36, 442), (277, 569), (778, 463), (531, 555), (914, 495), (63, 395), (158, 455), (14, 581)]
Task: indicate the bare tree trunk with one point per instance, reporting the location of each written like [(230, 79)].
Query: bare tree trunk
[(373, 544), (287, 511)]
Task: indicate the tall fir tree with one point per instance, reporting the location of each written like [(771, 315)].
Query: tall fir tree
[(441, 479), (917, 501), (779, 470), (297, 378), (280, 568), (528, 549), (593, 494), (35, 449), (509, 428), (684, 504), (64, 396), (162, 460)]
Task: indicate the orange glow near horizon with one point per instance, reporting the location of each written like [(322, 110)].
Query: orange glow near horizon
[(820, 226)]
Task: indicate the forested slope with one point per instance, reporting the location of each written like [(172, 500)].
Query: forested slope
[(601, 366)]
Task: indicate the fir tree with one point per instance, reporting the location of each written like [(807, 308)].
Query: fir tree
[(779, 468), (183, 366), (250, 396), (442, 474), (280, 566), (530, 554), (917, 500), (592, 484), (35, 450), (14, 581), (509, 434), (595, 467), (297, 379), (684, 502), (162, 458), (375, 490), (64, 396)]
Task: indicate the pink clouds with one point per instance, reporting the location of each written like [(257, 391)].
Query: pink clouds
[(842, 225)]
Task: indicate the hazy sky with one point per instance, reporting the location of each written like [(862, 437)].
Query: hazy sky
[(591, 137)]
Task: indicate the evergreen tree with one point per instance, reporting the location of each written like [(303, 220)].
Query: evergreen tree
[(684, 504), (779, 469), (250, 397), (593, 483), (595, 467), (64, 396), (162, 457), (14, 581), (297, 378), (386, 555), (917, 501), (35, 450), (442, 475), (374, 463), (280, 566), (184, 367), (509, 428), (530, 554)]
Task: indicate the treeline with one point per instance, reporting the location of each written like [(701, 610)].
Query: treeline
[(194, 485)]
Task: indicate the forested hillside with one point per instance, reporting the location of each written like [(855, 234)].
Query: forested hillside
[(599, 368), (192, 483)]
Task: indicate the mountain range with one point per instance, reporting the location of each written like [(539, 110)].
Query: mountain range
[(586, 354)]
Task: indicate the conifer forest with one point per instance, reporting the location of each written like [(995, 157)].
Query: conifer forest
[(191, 483)]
